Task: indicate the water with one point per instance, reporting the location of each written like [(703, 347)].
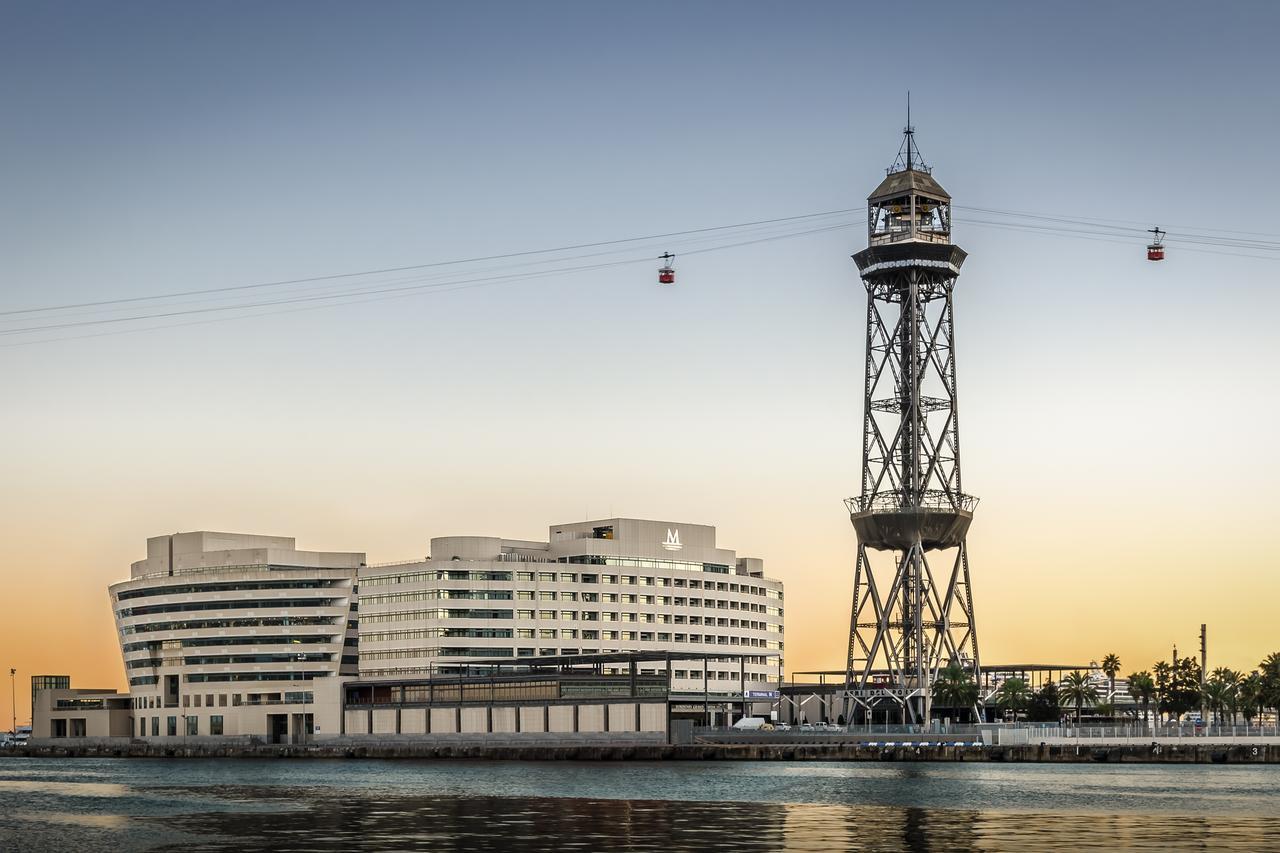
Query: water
[(279, 805)]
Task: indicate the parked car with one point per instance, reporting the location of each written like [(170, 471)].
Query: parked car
[(781, 727)]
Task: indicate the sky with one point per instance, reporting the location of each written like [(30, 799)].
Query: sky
[(1118, 415)]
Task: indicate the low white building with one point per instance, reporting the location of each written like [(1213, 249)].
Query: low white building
[(593, 587)]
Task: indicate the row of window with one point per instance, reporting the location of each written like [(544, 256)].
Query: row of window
[(194, 700), (233, 586), (645, 563), (436, 594), (754, 672), (210, 677), (171, 726), (204, 624), (436, 575), (575, 577), (574, 634), (231, 604), (440, 651), (424, 633), (196, 642)]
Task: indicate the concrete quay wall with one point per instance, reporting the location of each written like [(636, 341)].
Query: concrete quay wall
[(625, 750)]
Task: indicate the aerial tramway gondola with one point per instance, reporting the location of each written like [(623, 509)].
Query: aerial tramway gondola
[(1155, 249), (666, 273)]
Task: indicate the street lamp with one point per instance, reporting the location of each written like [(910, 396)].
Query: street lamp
[(13, 699)]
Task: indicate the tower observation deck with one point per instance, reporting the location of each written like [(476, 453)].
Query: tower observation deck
[(912, 612)]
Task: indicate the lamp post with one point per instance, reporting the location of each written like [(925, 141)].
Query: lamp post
[(13, 699)]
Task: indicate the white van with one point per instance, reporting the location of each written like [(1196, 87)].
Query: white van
[(753, 724)]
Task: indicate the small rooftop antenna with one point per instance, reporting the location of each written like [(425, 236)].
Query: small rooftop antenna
[(909, 130), (908, 154)]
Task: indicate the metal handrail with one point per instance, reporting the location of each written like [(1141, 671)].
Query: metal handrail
[(931, 499)]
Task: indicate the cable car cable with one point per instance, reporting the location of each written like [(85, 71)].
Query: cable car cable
[(503, 256)]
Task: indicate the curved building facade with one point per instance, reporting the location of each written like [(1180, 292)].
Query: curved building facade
[(594, 587), (224, 634)]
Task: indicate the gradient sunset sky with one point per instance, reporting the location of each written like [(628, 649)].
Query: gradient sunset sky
[(1119, 417)]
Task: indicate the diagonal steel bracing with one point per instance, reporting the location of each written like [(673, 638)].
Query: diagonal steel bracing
[(912, 613)]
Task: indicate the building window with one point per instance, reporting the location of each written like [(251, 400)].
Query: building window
[(171, 726), (155, 727), (215, 724), (142, 727), (193, 725)]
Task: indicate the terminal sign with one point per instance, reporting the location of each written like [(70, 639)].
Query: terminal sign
[(673, 540)]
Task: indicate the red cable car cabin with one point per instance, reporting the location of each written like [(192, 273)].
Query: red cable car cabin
[(1155, 250), (666, 273)]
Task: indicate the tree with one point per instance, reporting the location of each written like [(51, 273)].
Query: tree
[(1217, 694), (1230, 679), (1142, 687), (1269, 670), (1162, 675), (1251, 695), (955, 688), (1044, 707), (1013, 695), (1110, 666), (1076, 688), (1183, 692)]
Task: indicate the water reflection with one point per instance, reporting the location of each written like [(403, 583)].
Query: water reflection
[(246, 805), (541, 824)]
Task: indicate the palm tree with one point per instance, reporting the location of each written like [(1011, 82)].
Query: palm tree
[(1076, 688), (1013, 695), (1163, 672), (1142, 687), (1110, 666), (1269, 669), (1251, 695), (1231, 678), (955, 688), (1216, 695)]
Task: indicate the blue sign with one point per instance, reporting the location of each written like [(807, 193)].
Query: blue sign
[(762, 694)]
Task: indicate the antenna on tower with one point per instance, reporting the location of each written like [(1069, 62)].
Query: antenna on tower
[(909, 130), (908, 158)]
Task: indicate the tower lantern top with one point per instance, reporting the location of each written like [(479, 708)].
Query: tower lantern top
[(909, 204)]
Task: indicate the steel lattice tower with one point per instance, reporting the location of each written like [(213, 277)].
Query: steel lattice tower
[(912, 600)]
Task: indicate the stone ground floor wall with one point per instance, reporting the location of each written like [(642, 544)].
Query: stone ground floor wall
[(647, 747), (568, 719)]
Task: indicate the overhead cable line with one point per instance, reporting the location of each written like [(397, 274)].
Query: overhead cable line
[(406, 289), (407, 268)]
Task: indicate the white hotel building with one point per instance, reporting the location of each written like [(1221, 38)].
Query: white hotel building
[(228, 634), (225, 633), (594, 587)]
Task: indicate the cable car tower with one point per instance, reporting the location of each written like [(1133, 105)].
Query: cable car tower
[(912, 601)]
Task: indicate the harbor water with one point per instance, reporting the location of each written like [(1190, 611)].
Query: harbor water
[(281, 805)]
